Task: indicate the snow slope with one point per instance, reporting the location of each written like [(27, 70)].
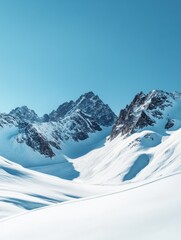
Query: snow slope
[(147, 212), (123, 157), (22, 189), (148, 152), (59, 165)]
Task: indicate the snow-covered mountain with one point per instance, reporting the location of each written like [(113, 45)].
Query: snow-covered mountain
[(34, 141), (72, 120), (144, 143), (70, 142), (129, 173), (24, 114), (89, 106)]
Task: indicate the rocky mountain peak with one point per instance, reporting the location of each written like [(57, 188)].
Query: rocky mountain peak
[(145, 110), (89, 95), (61, 111), (86, 99), (89, 104), (92, 105), (24, 114)]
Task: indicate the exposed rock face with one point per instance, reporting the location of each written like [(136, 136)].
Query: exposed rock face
[(34, 139), (145, 110), (169, 124), (72, 120)]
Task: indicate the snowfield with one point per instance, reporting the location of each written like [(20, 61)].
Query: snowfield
[(146, 154), (23, 190), (147, 212)]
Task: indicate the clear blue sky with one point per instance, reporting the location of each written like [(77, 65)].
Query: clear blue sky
[(53, 51)]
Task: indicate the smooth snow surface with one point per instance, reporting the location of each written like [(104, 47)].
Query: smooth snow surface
[(22, 189), (147, 212), (142, 155), (141, 162)]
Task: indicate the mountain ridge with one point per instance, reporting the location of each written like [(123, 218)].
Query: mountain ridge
[(145, 110), (55, 144), (144, 142), (48, 141)]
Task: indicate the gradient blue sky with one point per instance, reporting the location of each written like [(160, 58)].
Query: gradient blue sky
[(53, 51)]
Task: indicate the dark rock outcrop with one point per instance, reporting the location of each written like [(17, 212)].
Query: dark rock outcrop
[(169, 124), (145, 110), (34, 139)]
